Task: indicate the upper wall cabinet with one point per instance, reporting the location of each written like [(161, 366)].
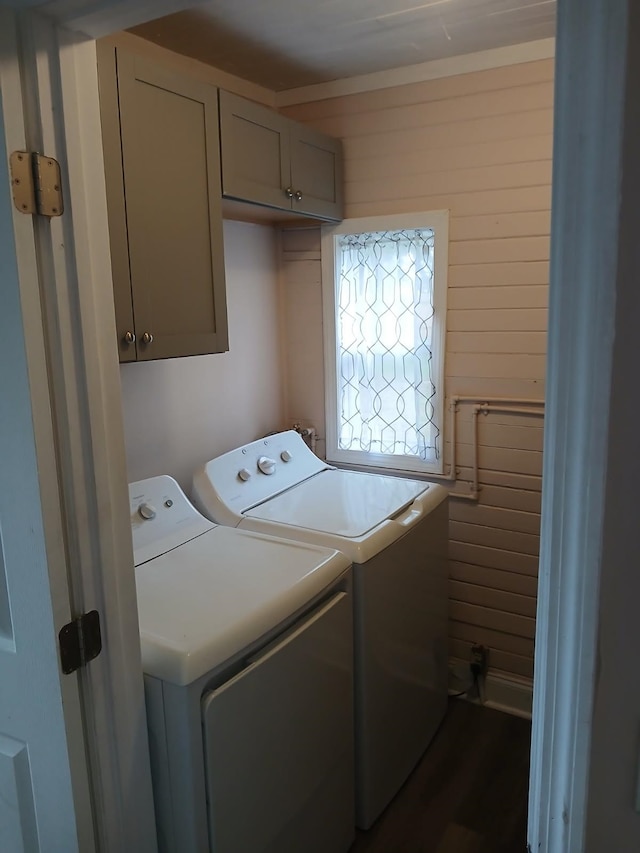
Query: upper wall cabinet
[(271, 160), (162, 169)]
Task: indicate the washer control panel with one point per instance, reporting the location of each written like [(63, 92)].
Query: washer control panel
[(161, 517), (232, 483), (265, 465)]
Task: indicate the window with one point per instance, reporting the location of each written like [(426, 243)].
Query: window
[(384, 294)]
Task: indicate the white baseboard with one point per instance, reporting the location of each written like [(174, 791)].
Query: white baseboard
[(503, 692), (509, 694)]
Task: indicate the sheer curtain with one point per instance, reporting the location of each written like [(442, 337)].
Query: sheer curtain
[(385, 334)]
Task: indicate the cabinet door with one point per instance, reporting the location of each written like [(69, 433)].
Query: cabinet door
[(110, 120), (171, 185), (316, 173), (255, 152)]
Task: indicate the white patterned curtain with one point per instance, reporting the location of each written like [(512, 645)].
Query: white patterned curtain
[(385, 334)]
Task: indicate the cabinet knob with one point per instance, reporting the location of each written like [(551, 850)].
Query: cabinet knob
[(147, 338), (298, 195), (129, 338), (289, 192)]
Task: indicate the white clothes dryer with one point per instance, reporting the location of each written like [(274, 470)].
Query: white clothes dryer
[(248, 670), (395, 531)]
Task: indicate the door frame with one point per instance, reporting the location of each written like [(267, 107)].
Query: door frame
[(579, 568), (13, 89)]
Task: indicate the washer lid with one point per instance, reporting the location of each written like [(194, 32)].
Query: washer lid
[(207, 600), (343, 503)]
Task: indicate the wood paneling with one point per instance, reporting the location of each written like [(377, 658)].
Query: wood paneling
[(498, 320), (446, 158), (491, 226), (508, 540), (477, 387), (498, 251), (496, 517), (515, 367), (501, 458), (468, 204), (513, 175), (510, 479), (496, 275), (523, 605), (480, 146), (493, 557), (480, 106), (443, 88), (522, 585), (528, 501), (493, 433), (496, 342), (506, 623)]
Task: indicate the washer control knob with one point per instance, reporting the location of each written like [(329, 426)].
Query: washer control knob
[(267, 465), (285, 456), (146, 511), (244, 474)]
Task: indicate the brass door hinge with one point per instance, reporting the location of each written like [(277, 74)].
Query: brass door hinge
[(35, 184)]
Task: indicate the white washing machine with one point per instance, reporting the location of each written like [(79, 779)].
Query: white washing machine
[(395, 531), (248, 668)]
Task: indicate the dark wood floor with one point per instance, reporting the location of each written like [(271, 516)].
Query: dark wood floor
[(467, 795)]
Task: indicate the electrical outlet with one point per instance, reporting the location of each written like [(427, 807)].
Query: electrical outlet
[(479, 660)]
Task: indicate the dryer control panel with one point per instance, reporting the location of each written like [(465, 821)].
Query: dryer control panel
[(161, 517)]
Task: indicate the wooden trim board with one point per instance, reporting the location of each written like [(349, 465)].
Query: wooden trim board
[(450, 67)]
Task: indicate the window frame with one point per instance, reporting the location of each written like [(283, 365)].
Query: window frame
[(438, 221)]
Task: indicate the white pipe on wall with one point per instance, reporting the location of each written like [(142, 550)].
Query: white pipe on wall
[(498, 405), (484, 405), (309, 435), (513, 405)]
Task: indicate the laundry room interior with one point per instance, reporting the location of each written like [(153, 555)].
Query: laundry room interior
[(469, 133), (319, 324), (478, 144)]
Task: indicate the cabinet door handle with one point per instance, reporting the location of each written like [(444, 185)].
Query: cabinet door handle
[(129, 338), (147, 338), (298, 195), (289, 192)]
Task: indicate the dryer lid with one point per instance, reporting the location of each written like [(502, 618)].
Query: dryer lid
[(206, 601), (342, 503)]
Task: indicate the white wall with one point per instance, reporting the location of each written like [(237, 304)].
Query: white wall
[(180, 412)]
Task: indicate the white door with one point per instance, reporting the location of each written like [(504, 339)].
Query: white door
[(74, 759), (79, 779), (38, 799)]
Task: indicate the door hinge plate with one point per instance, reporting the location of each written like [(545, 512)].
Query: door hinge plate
[(80, 641), (36, 184)]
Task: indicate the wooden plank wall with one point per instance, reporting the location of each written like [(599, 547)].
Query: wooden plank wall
[(480, 145)]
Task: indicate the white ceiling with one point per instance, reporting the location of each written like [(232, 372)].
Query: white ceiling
[(284, 44)]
